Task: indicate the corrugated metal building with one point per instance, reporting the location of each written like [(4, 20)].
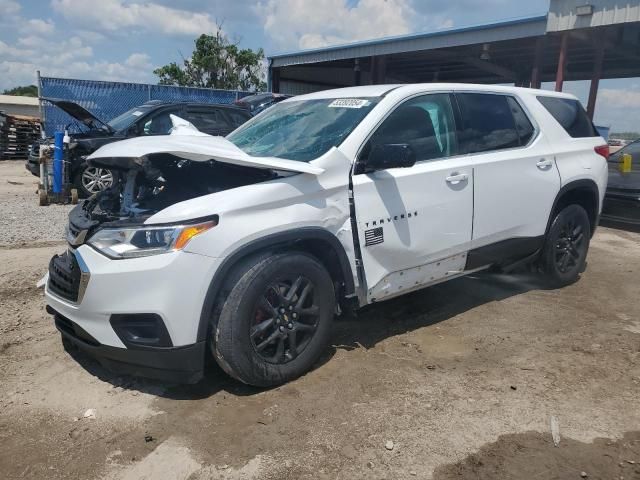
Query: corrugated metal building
[(575, 40), (14, 105)]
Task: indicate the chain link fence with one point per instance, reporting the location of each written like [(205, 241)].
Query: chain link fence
[(107, 100)]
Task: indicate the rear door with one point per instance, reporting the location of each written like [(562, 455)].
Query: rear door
[(516, 180), (414, 224)]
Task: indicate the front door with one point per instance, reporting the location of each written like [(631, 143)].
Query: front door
[(414, 224)]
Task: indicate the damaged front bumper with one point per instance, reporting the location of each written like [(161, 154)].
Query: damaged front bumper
[(137, 316)]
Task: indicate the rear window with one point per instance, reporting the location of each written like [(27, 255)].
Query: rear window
[(210, 119), (570, 115)]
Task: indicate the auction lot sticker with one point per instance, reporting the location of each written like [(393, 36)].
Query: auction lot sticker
[(349, 103)]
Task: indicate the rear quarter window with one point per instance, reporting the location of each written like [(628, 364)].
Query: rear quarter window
[(570, 115)]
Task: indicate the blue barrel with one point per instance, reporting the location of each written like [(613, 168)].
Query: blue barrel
[(58, 155)]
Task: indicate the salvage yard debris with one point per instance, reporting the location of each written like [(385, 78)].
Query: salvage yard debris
[(17, 134)]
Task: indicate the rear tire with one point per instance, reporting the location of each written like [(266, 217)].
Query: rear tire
[(565, 251), (274, 319)]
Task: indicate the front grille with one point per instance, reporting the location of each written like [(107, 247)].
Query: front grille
[(65, 276)]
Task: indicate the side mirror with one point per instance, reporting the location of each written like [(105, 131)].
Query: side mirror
[(391, 155)]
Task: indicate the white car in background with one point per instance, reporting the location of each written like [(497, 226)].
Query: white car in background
[(245, 248)]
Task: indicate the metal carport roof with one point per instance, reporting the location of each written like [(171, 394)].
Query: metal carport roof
[(487, 33)]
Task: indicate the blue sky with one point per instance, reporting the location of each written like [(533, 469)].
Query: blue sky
[(125, 40)]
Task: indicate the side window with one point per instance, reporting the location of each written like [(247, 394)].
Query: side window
[(237, 118), (425, 123), (159, 124), (487, 123), (208, 119), (523, 125), (570, 114)]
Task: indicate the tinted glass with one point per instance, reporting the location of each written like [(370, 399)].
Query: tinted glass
[(301, 130), (425, 123), (256, 99), (487, 123), (124, 120), (208, 120), (159, 124), (570, 114), (523, 124), (237, 118)]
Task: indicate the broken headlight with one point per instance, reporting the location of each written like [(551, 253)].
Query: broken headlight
[(144, 241)]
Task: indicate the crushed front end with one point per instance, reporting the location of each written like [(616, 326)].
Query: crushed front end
[(123, 292)]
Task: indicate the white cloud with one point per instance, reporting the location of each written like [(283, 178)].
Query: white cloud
[(90, 37), (293, 24), (447, 23), (138, 60), (11, 51), (38, 26), (14, 72), (9, 7), (114, 15), (614, 98), (69, 58)]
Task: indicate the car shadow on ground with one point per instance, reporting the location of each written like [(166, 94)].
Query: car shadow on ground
[(365, 328), (430, 306)]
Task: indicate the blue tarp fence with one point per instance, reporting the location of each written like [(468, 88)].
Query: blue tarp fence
[(107, 100)]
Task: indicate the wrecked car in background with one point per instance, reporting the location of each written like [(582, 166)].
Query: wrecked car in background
[(151, 118), (255, 104), (622, 199), (246, 247)]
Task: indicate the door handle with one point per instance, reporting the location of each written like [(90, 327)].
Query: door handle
[(455, 178), (544, 163)]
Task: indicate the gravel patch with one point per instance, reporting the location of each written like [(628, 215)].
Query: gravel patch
[(22, 221)]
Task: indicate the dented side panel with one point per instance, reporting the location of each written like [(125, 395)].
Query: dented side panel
[(255, 211)]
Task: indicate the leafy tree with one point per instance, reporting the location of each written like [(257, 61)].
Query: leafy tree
[(216, 63), (25, 91)]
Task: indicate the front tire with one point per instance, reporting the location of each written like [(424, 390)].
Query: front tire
[(566, 246), (89, 180), (274, 320)]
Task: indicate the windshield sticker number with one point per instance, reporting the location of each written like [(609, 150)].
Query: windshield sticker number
[(349, 103), (137, 113)]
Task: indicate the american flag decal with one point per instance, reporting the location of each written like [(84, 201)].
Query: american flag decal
[(373, 236)]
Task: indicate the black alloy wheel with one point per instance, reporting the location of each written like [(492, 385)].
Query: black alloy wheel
[(567, 243), (272, 320), (570, 246), (285, 320)]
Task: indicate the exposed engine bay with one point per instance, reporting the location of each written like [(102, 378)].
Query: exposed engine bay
[(144, 186)]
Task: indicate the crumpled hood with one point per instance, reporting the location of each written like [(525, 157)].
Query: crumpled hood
[(78, 112), (188, 143)]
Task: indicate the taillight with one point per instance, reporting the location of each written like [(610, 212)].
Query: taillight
[(603, 150)]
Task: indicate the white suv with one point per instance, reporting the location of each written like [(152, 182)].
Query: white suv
[(245, 248)]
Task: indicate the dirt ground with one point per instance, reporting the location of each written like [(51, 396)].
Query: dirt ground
[(458, 381)]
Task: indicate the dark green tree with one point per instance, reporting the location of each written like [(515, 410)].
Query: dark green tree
[(216, 62), (24, 91)]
